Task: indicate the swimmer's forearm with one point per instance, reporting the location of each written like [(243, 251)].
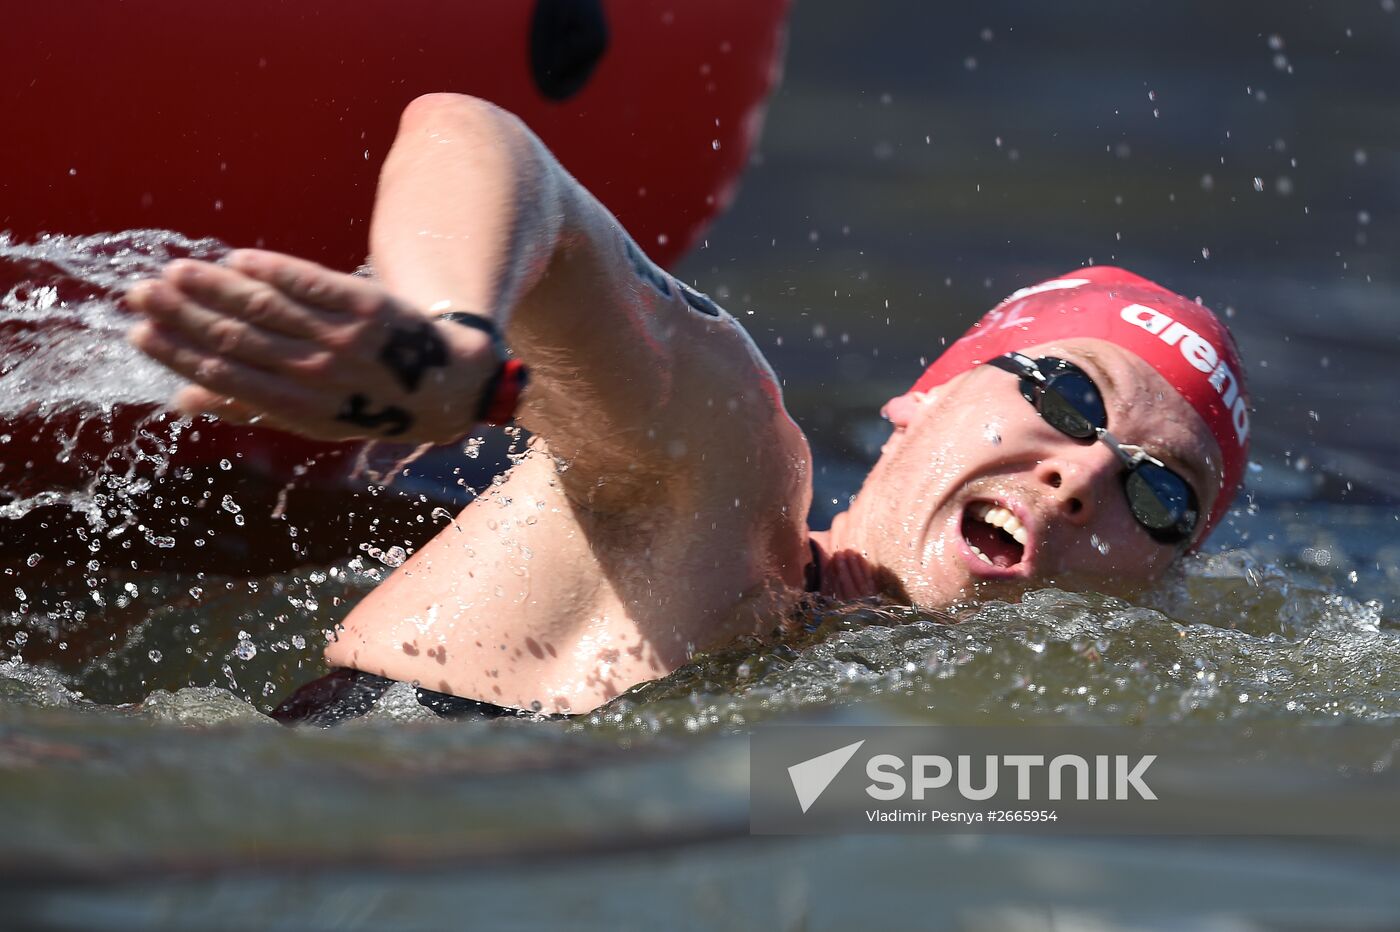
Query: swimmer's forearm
[(475, 214), (634, 379), (468, 212)]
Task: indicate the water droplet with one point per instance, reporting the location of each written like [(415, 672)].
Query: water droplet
[(225, 465), (33, 560), (154, 655)]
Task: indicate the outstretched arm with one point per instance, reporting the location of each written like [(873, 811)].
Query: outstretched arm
[(631, 372)]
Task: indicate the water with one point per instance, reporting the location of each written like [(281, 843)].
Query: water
[(147, 785), (149, 631)]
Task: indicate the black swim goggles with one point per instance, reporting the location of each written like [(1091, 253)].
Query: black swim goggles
[(1069, 401)]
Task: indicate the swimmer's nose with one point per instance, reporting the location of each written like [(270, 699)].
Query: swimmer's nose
[(1076, 480)]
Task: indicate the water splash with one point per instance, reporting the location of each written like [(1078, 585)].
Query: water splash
[(93, 465), (62, 322), (1228, 639)]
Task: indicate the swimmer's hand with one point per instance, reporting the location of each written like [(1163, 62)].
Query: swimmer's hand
[(286, 343)]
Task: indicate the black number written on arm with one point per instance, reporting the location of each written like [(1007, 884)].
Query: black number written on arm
[(410, 352), (389, 421)]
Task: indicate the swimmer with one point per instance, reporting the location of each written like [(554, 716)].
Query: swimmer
[(1084, 434)]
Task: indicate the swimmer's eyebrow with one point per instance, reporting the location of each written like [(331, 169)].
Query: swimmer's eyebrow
[(1108, 386), (1171, 455), (1179, 462)]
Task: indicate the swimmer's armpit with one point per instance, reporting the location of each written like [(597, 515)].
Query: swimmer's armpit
[(648, 271), (645, 268), (698, 302), (409, 352), (391, 421)]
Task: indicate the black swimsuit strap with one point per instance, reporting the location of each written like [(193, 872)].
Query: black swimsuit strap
[(344, 694), (813, 571)]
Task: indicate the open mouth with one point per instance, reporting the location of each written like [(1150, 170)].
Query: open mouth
[(994, 534)]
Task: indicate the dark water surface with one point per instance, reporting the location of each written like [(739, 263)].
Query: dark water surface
[(918, 164)]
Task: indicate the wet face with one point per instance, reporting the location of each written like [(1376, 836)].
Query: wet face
[(972, 467)]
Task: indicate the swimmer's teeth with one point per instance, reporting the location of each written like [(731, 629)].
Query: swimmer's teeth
[(985, 559), (998, 516)]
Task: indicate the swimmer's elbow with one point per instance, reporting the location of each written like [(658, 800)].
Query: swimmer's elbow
[(480, 124), (430, 112)]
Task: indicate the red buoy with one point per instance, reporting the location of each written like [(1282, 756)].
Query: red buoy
[(264, 122)]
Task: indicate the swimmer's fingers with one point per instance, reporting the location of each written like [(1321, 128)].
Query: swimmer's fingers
[(256, 393), (219, 334), (865, 578), (195, 400), (848, 576), (309, 283), (219, 374), (233, 294)]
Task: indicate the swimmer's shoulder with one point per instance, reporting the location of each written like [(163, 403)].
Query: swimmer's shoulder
[(727, 408), (749, 464)]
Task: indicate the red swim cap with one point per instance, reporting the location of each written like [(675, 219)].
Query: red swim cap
[(1182, 340)]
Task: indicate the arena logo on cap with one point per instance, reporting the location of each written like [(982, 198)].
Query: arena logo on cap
[(1200, 353)]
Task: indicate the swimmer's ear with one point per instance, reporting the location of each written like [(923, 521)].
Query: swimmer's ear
[(902, 410)]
